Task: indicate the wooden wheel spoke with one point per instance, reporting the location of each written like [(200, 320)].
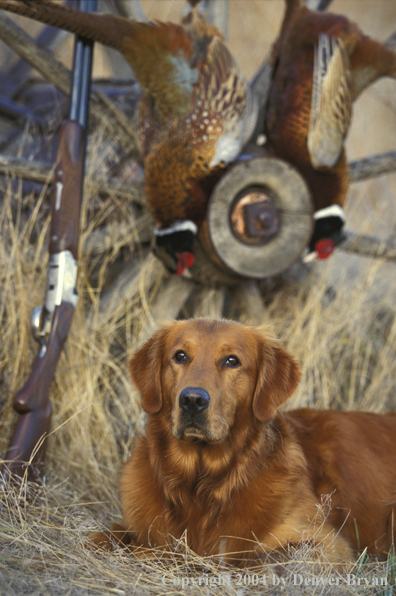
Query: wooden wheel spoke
[(367, 246), (210, 302), (120, 67), (116, 235), (247, 297), (169, 301), (390, 43), (318, 4), (102, 108), (131, 9), (373, 166), (135, 279), (39, 171), (12, 81), (218, 13)]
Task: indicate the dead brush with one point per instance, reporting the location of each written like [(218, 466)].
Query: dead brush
[(347, 355), (339, 322)]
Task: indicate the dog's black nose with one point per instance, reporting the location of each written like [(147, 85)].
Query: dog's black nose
[(194, 399)]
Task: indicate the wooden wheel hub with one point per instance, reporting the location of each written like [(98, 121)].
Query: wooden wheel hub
[(254, 217), (259, 218)]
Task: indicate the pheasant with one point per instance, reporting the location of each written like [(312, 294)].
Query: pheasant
[(196, 110), (322, 62)]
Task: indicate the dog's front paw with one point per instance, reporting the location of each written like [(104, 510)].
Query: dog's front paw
[(109, 540)]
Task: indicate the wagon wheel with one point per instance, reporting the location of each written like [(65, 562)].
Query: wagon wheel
[(233, 252)]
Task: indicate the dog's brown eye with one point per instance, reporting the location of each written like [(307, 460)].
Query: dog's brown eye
[(232, 361), (180, 356)]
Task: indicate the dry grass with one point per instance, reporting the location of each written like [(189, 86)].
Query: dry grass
[(339, 322)]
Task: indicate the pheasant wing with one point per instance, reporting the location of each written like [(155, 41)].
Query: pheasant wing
[(331, 108)]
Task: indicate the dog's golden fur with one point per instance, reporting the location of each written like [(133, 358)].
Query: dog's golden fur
[(221, 464)]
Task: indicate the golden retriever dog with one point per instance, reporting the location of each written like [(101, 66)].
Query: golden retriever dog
[(220, 465)]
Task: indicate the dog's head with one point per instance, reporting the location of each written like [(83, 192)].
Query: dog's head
[(208, 375)]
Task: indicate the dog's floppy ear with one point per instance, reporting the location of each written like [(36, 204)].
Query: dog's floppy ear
[(145, 367), (277, 379)]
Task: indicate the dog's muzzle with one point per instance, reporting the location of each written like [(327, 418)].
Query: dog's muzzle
[(194, 422), (193, 400)]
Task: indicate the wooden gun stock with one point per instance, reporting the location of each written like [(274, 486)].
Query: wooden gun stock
[(27, 445)]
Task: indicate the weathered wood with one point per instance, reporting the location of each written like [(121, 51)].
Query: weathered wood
[(168, 303), (119, 65), (12, 81), (390, 43), (39, 171), (249, 301), (171, 298), (218, 13), (362, 169), (36, 56), (118, 234), (132, 191), (288, 194), (370, 167), (118, 124), (317, 4), (260, 86), (115, 236), (121, 127), (9, 137), (14, 111), (206, 271), (131, 9), (210, 302), (20, 167), (366, 246), (134, 280)]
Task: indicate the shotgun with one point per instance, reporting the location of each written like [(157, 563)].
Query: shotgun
[(51, 323)]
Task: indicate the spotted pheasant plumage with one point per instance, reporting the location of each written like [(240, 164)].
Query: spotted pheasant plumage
[(180, 159), (196, 111)]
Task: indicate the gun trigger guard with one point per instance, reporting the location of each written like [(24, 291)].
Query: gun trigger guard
[(41, 325)]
